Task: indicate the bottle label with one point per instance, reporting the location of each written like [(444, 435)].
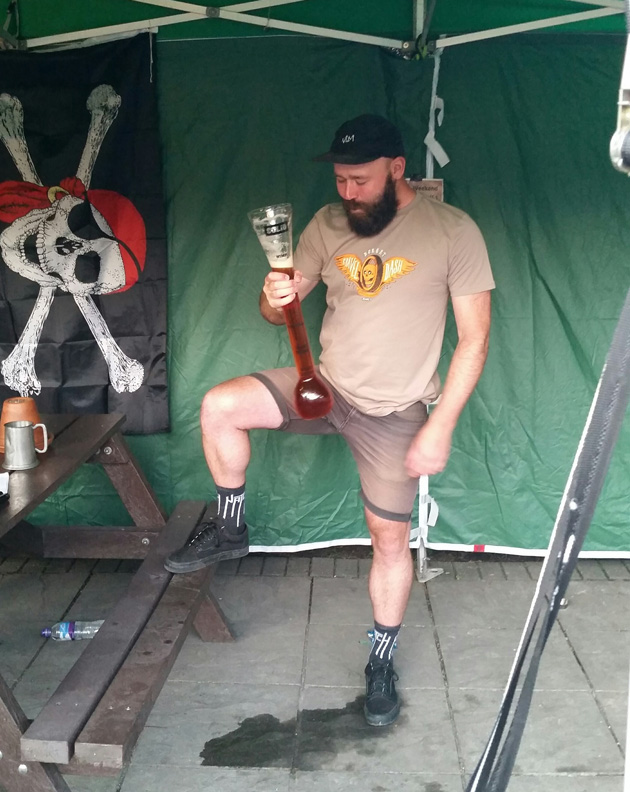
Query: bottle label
[(66, 631), (281, 227)]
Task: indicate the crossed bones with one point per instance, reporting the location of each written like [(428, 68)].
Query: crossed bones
[(52, 258)]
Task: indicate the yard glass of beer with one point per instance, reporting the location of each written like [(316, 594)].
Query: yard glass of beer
[(273, 228)]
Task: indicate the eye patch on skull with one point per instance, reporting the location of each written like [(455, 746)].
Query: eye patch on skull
[(83, 224)]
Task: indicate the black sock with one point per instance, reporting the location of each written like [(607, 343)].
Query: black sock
[(383, 643), (231, 508)]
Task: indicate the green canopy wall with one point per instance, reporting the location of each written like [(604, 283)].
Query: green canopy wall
[(527, 125)]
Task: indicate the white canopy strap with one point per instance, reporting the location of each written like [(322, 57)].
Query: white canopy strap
[(428, 511), (436, 113)]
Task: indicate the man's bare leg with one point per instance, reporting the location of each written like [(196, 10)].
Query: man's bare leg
[(391, 575), (389, 584), (228, 412)]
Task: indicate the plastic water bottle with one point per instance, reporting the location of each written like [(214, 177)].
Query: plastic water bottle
[(72, 630)]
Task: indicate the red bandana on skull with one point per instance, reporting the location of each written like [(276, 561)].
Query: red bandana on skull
[(18, 198)]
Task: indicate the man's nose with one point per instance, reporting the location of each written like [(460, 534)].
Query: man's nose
[(348, 191)]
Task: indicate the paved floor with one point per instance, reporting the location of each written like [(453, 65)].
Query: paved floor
[(279, 709)]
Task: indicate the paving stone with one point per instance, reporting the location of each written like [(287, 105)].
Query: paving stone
[(482, 658), (144, 778), (298, 566), (228, 567), (591, 569), (534, 567), (596, 606), (12, 564), (129, 565), (615, 709), (339, 739), (252, 604), (322, 566), (515, 570), (58, 566), (367, 781), (187, 715), (33, 566), (106, 565), (347, 601), (615, 569), (346, 567), (274, 565), (84, 565), (365, 564), (564, 733), (86, 784), (251, 565), (99, 595), (246, 660), (46, 597), (605, 657), (496, 604), (416, 658), (566, 783), (491, 570), (466, 570), (447, 567)]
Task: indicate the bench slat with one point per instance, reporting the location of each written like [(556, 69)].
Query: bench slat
[(115, 725), (51, 736)]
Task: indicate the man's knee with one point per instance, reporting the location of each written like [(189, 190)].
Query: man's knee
[(220, 404), (241, 403), (390, 538)]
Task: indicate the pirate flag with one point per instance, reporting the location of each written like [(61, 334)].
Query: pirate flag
[(82, 233)]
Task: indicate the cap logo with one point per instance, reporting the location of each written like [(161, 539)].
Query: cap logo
[(347, 139)]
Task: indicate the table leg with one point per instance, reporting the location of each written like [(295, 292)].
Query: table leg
[(16, 775), (130, 482)]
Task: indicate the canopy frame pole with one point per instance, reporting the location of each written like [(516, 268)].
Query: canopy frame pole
[(601, 3), (524, 27), (419, 16), (204, 12), (210, 11), (295, 27)]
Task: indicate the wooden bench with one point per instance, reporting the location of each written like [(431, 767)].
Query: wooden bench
[(95, 716)]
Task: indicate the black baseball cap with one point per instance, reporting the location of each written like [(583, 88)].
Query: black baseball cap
[(364, 139)]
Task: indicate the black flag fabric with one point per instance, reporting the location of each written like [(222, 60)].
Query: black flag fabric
[(83, 283)]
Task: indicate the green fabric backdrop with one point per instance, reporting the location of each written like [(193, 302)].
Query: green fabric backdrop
[(527, 126)]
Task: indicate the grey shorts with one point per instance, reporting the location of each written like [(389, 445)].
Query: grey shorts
[(378, 444)]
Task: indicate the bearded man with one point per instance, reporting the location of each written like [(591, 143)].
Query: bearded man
[(390, 259)]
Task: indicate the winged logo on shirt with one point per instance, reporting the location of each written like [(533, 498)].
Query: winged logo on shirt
[(371, 275)]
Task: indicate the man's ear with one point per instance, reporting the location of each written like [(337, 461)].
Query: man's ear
[(397, 167)]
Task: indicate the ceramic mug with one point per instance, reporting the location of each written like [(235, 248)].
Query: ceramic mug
[(19, 445)]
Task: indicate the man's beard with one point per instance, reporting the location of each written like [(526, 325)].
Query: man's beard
[(375, 216)]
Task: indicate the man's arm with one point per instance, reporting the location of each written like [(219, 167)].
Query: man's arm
[(280, 290), (430, 449)]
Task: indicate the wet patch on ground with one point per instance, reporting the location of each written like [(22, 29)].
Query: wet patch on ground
[(308, 742)]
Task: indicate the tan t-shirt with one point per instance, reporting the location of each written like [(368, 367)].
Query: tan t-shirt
[(387, 298)]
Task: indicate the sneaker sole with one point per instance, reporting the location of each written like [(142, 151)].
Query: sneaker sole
[(193, 566), (385, 719)]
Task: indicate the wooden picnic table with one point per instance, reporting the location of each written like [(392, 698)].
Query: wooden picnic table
[(95, 716)]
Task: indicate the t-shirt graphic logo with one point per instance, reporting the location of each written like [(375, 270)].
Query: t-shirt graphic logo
[(372, 274)]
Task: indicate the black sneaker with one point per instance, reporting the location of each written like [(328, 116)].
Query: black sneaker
[(211, 543), (381, 700)]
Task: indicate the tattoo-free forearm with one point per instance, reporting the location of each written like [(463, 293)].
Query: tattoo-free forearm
[(462, 377)]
